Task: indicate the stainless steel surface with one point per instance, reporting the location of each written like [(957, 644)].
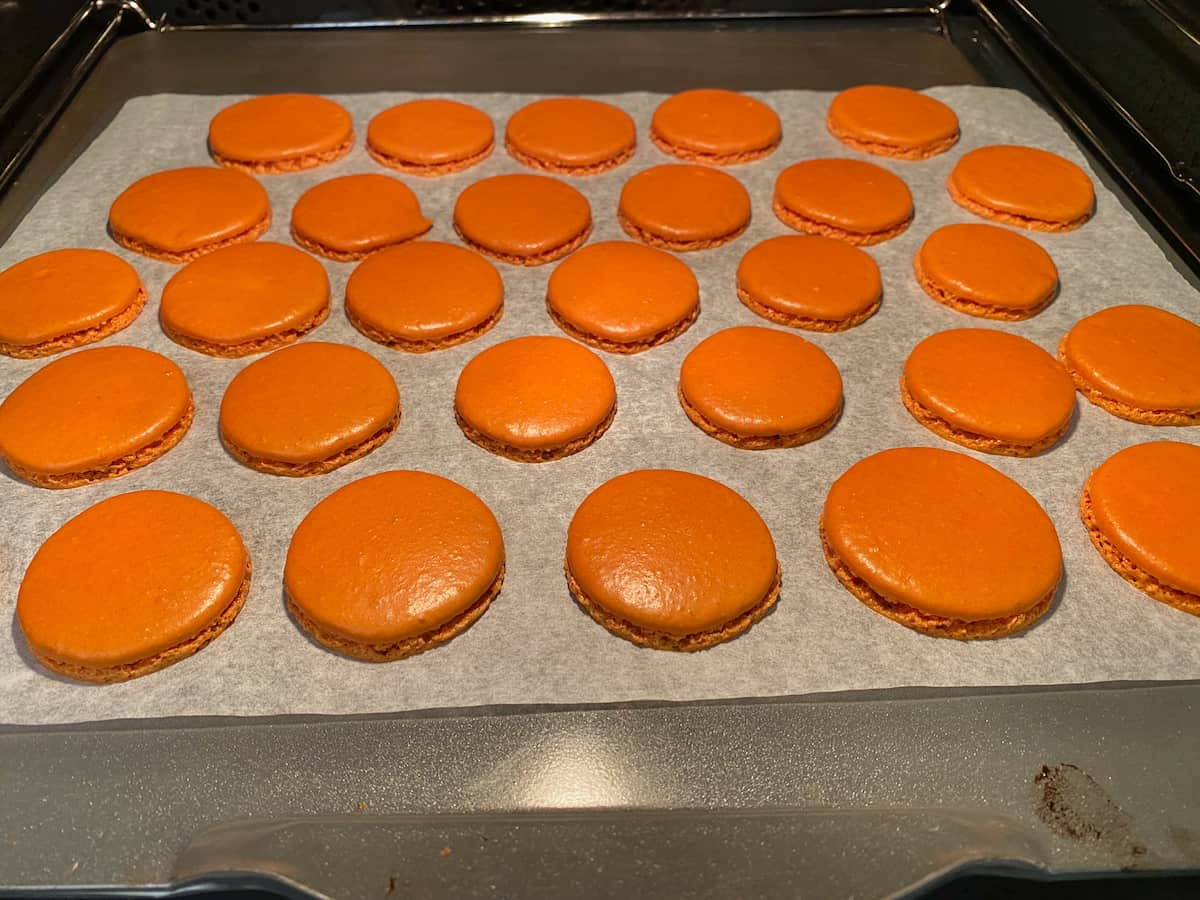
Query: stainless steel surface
[(658, 854), (859, 795), (1124, 79), (367, 15), (1179, 169), (557, 19), (95, 26), (870, 794)]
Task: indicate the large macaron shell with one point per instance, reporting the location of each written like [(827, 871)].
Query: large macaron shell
[(852, 196), (280, 128), (892, 121), (572, 135), (753, 381), (685, 204), (85, 410), (1146, 500), (987, 266), (670, 551), (522, 217), (715, 125), (1141, 356), (393, 556), (129, 578), (430, 136), (810, 277), (63, 292), (623, 292), (356, 214), (991, 383), (307, 403), (943, 533), (535, 393), (245, 293), (425, 292), (1024, 185), (180, 211)]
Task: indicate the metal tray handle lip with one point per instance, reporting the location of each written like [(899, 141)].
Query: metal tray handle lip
[(1178, 170), (902, 695), (564, 18), (119, 12), (52, 53), (244, 850)]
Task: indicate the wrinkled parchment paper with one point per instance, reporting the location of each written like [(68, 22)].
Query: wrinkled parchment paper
[(535, 645)]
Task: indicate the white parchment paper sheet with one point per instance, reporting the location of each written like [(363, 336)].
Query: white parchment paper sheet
[(535, 645)]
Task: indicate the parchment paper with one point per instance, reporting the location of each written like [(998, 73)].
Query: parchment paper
[(535, 645)]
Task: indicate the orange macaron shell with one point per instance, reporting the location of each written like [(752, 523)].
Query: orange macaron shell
[(132, 584), (346, 218), (1142, 509), (66, 298), (942, 543), (986, 271), (671, 560), (570, 135), (248, 298), (1137, 362), (848, 199), (1023, 186), (526, 220), (758, 388), (534, 399), (93, 415), (180, 214), (430, 137), (988, 390), (809, 281), (278, 133), (715, 126), (308, 409), (683, 207), (393, 564), (623, 297), (424, 296), (892, 121)]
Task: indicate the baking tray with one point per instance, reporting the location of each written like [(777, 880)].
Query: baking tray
[(861, 795)]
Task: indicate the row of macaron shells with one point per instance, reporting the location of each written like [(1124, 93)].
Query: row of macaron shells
[(988, 390), (567, 135), (666, 559), (522, 219), (312, 407), (417, 296)]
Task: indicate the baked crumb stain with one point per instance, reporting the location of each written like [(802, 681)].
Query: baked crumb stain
[(1073, 805)]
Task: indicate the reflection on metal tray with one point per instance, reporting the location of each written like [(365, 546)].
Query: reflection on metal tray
[(862, 794)]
